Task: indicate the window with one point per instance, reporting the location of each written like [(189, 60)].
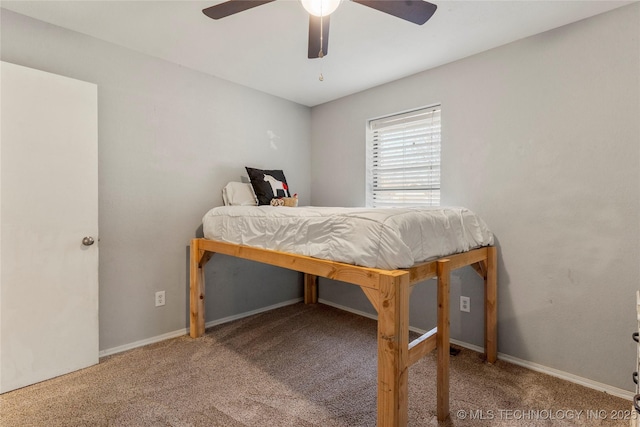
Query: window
[(403, 159)]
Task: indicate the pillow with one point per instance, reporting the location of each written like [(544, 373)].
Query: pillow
[(238, 194), (268, 184)]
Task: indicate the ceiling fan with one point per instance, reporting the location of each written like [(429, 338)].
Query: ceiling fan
[(416, 11)]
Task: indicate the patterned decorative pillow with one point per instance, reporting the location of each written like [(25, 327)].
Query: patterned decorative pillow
[(268, 184)]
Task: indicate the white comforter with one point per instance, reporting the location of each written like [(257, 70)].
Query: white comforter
[(381, 238)]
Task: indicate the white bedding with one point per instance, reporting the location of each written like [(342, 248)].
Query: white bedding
[(381, 238)]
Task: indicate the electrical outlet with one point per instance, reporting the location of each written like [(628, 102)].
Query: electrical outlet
[(159, 298), (465, 304)]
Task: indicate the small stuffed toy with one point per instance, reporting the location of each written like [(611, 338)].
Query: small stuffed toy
[(286, 201)]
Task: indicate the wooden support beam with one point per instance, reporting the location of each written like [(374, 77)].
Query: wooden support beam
[(422, 346), (362, 276), (204, 257), (480, 268), (310, 289), (196, 291), (421, 272), (466, 258), (372, 296), (443, 340), (491, 306), (393, 349), (429, 269)]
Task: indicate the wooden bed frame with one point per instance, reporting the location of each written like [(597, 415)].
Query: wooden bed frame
[(388, 291)]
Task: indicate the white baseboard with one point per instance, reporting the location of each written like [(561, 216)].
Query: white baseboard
[(142, 343), (365, 314), (185, 331), (251, 313), (614, 391)]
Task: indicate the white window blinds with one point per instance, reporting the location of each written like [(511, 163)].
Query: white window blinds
[(403, 159)]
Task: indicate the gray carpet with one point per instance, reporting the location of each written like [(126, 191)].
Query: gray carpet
[(295, 366)]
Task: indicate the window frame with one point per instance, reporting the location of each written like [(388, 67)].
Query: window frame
[(391, 125)]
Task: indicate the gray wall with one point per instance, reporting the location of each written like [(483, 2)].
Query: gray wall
[(541, 137), (169, 139)]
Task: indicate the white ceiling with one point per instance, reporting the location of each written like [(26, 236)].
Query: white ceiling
[(266, 47)]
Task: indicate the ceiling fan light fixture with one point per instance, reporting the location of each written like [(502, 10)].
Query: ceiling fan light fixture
[(320, 7)]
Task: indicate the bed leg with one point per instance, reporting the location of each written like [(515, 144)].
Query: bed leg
[(196, 292), (442, 340), (310, 289), (393, 350), (491, 306)]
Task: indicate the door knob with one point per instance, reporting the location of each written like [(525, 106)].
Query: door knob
[(87, 241)]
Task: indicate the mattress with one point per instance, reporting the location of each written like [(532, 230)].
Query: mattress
[(381, 238)]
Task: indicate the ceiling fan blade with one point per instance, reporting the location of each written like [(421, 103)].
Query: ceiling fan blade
[(416, 11), (231, 7), (316, 32)]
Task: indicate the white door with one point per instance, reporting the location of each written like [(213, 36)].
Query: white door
[(49, 195)]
